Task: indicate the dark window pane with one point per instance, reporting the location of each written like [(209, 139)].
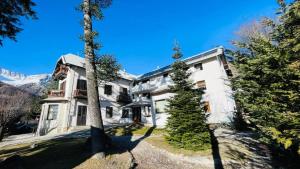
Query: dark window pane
[(125, 113), (81, 84), (199, 66), (109, 112), (108, 89)]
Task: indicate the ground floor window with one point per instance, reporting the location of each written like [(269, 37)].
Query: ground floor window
[(81, 115), (52, 112), (160, 106), (125, 113), (109, 112)]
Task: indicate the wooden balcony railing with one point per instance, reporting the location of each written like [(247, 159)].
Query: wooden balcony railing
[(61, 72), (79, 93), (56, 93)]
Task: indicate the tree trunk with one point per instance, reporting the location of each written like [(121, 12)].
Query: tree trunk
[(97, 129), (1, 133)]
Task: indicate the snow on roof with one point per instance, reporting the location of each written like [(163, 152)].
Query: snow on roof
[(75, 60), (72, 59)]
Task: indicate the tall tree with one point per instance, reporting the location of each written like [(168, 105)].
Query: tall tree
[(10, 13), (92, 9), (186, 125), (267, 87)]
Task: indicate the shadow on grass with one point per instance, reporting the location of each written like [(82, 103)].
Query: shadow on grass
[(58, 153), (69, 150)]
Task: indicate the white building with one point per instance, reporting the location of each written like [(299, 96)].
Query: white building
[(134, 98)]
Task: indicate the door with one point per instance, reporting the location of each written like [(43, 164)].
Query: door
[(136, 114), (81, 116)]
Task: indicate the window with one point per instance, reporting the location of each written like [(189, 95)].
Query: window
[(109, 112), (125, 113), (207, 107), (63, 85), (201, 84), (108, 89), (81, 116), (198, 66), (160, 106), (81, 84), (123, 90), (52, 112), (146, 95), (165, 75)]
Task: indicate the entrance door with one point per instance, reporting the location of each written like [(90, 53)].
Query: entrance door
[(136, 114), (81, 116)]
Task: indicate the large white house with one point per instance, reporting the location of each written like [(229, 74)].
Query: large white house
[(134, 98)]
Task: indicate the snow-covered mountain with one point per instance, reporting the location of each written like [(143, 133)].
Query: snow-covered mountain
[(30, 83)]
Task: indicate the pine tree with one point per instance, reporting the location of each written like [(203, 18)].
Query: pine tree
[(267, 87), (92, 10), (186, 125), (10, 13)]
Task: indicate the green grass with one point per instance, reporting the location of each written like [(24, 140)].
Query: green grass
[(134, 129), (162, 143)]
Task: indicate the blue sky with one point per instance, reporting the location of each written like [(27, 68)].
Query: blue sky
[(139, 33)]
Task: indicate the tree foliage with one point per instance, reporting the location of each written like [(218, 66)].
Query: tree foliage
[(267, 88), (10, 13), (107, 69), (186, 125)]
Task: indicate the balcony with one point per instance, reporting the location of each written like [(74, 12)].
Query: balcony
[(61, 72), (56, 93), (82, 94), (123, 98), (153, 86)]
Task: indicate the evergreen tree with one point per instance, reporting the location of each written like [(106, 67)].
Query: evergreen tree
[(186, 125), (92, 9), (10, 13), (267, 88)]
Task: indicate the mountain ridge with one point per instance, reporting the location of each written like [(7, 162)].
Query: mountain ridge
[(34, 84)]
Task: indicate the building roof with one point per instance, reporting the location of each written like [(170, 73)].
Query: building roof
[(75, 60), (71, 59), (168, 68)]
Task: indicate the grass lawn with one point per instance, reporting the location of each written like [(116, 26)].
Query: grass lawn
[(161, 143), (134, 129), (62, 154), (158, 139)]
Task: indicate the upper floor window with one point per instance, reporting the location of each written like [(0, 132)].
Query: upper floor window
[(201, 84), (165, 75), (62, 86), (108, 89), (207, 107), (146, 95), (81, 84), (123, 90), (198, 66), (109, 112), (52, 112)]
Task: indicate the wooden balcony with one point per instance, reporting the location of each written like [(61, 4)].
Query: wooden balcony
[(61, 72), (56, 93), (81, 94), (123, 98)]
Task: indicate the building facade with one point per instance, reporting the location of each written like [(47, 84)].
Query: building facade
[(133, 98)]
